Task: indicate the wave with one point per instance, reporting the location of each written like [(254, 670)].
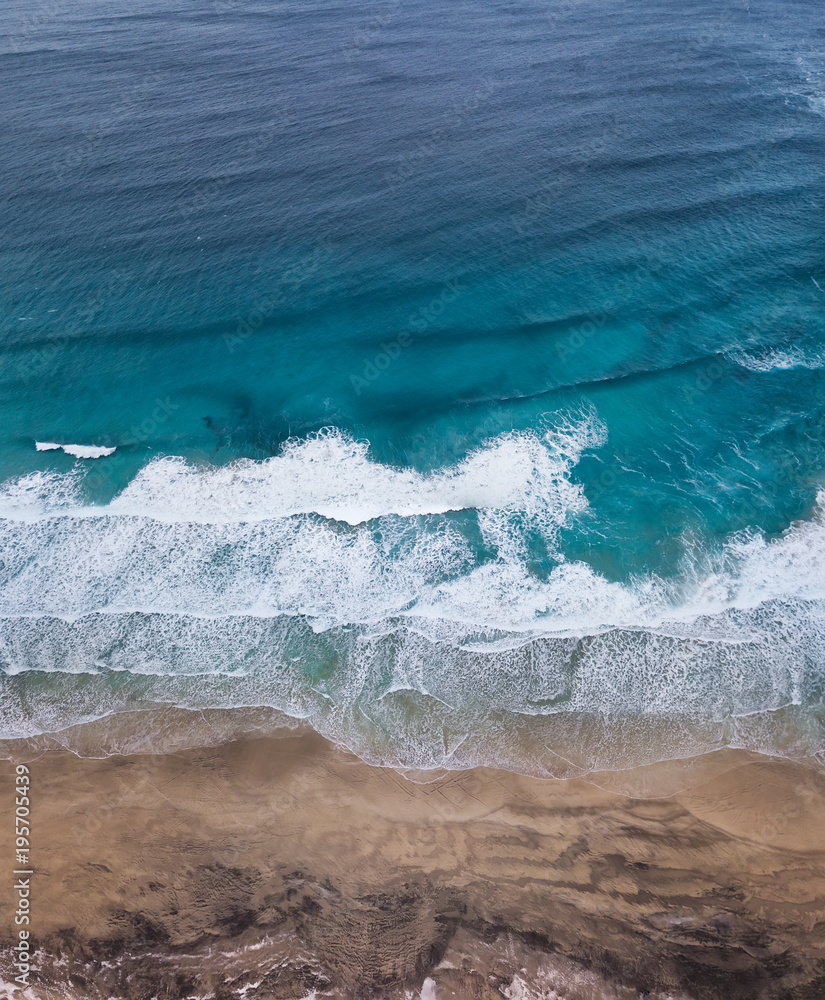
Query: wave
[(76, 450), (462, 577), (332, 475), (399, 698), (777, 359), (402, 613)]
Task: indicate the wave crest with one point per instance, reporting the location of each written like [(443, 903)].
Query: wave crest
[(402, 614)]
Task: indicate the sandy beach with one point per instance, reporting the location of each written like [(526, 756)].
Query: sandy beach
[(285, 867), (412, 500)]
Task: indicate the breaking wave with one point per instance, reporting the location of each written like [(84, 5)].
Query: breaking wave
[(402, 613)]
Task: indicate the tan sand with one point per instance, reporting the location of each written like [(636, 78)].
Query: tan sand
[(285, 867)]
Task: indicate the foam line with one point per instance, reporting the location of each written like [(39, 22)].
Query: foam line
[(333, 475), (333, 588)]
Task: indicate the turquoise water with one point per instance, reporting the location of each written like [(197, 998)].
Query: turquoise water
[(463, 368)]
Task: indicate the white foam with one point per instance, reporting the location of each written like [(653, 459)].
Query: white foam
[(777, 359), (167, 545), (40, 494), (393, 596), (76, 450), (88, 450), (333, 475)]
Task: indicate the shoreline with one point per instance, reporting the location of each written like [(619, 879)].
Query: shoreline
[(286, 867)]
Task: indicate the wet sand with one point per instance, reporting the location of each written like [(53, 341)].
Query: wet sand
[(284, 867)]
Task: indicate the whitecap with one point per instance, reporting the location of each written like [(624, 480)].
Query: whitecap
[(224, 587), (777, 359), (76, 450), (334, 475)]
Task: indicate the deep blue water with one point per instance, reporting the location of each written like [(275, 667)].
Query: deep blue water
[(464, 367)]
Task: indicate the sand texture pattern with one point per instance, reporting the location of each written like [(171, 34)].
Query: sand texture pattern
[(280, 868)]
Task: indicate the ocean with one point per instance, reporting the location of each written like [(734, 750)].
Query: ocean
[(447, 378)]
